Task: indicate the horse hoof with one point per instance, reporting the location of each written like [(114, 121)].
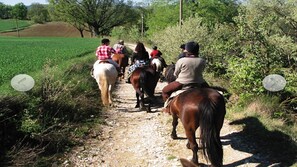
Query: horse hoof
[(173, 136), (188, 146)]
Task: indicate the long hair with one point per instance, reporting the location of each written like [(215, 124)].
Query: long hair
[(140, 47)]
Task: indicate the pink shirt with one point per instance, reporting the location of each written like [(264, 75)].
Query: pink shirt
[(104, 52)]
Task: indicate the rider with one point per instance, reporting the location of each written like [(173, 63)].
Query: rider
[(157, 54), (104, 52), (183, 53), (140, 57), (188, 71), (120, 47)]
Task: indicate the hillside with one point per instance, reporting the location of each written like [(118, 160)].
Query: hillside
[(51, 29)]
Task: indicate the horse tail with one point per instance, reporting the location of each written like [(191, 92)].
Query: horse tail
[(210, 134), (144, 83), (104, 90)]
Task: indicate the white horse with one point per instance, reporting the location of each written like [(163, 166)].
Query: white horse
[(158, 64), (106, 76), (159, 67)]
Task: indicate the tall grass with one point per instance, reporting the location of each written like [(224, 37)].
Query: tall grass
[(10, 24)]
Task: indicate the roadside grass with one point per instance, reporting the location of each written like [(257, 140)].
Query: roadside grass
[(40, 125), (7, 25)]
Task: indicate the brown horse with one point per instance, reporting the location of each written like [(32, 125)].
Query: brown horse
[(204, 108), (144, 81), (122, 61)]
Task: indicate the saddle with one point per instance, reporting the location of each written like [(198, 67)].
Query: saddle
[(103, 62)]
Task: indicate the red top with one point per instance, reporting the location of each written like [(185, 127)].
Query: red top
[(155, 53), (104, 52)]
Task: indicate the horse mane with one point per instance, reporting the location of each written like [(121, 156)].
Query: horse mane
[(169, 73)]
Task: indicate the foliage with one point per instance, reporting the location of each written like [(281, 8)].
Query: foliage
[(5, 11), (259, 41), (19, 11), (214, 11), (161, 15), (38, 13), (134, 33), (98, 16), (169, 40)]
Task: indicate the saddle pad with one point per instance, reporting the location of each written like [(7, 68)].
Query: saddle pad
[(167, 102)]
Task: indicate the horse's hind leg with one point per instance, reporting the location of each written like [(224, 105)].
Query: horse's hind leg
[(137, 100), (174, 125), (192, 144)]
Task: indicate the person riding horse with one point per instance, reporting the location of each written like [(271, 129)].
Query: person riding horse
[(188, 71), (156, 54), (104, 52), (120, 48), (140, 57)]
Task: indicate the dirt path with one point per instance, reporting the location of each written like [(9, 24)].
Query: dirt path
[(136, 138), (132, 138)]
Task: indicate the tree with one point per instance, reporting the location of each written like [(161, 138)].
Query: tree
[(5, 11), (19, 11), (38, 13), (98, 15), (163, 13), (213, 11)]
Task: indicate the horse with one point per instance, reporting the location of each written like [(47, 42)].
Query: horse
[(144, 81), (122, 61), (199, 107), (159, 66), (106, 76)]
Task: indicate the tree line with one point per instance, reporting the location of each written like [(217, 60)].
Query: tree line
[(36, 12)]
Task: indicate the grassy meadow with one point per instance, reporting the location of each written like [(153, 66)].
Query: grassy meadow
[(29, 55), (11, 24)]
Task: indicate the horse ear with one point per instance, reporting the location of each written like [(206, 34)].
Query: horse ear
[(172, 63)]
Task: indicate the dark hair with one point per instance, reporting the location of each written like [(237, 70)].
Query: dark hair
[(140, 47), (155, 47), (182, 46), (105, 41), (192, 48)]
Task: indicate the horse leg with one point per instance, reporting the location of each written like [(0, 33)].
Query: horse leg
[(141, 101), (109, 94), (137, 100), (174, 125), (192, 144)]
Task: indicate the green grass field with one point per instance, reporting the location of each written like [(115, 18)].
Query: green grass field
[(29, 55), (10, 24)]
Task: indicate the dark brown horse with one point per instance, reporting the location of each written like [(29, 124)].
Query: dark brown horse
[(144, 81), (122, 61), (204, 108)]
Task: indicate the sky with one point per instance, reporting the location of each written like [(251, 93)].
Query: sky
[(25, 2)]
